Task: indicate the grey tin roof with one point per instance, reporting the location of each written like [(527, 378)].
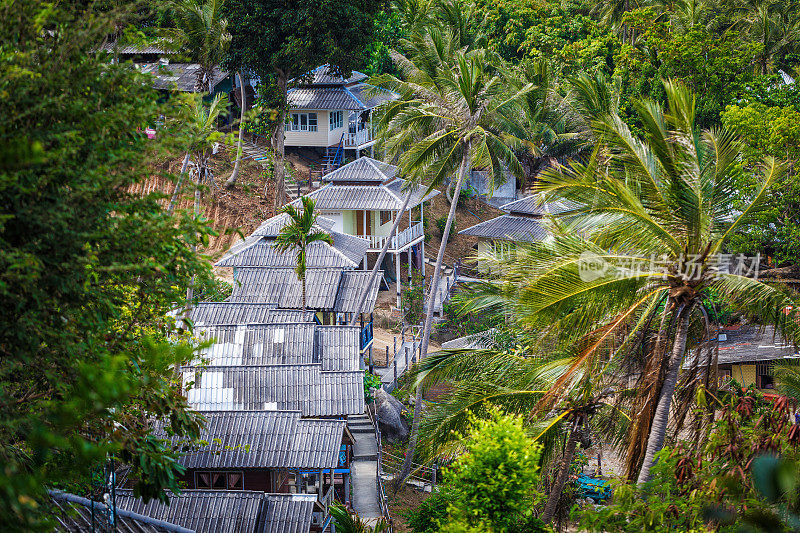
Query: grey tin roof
[(371, 96), (220, 313), (364, 169), (386, 197), (751, 344), (281, 286), (533, 205), (272, 226), (266, 439), (350, 288), (204, 511), (336, 347), (306, 388), (257, 250), (288, 513), (135, 49), (509, 228), (180, 76), (323, 98), (74, 514)]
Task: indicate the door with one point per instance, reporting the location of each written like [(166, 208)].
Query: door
[(362, 228)]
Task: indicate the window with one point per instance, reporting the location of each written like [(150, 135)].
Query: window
[(386, 216), (337, 119), (301, 122), (219, 480), (764, 375)]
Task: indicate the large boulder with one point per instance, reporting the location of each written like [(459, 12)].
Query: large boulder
[(391, 422)]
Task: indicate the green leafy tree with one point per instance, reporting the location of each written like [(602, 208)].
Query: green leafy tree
[(286, 40), (301, 231), (492, 484), (88, 271)]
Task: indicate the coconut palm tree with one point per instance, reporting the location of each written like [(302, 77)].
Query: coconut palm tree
[(649, 220), (301, 231), (201, 32), (243, 106), (451, 116)]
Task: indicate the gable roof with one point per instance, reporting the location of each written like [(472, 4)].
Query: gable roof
[(508, 228), (326, 75), (306, 388), (180, 76), (202, 510), (386, 197), (222, 313), (364, 169), (336, 347), (321, 89), (265, 439), (350, 287), (74, 513), (288, 513)]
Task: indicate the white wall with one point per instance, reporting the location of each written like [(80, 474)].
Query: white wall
[(310, 138)]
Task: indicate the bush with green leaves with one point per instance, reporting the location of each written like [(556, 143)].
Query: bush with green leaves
[(371, 381), (441, 222)]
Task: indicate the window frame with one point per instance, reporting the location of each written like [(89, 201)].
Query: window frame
[(335, 120), (225, 474), (294, 122)]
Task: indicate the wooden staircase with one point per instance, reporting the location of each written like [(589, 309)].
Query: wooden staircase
[(263, 156)]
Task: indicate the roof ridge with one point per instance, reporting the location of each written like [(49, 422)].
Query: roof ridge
[(354, 97), (373, 165)]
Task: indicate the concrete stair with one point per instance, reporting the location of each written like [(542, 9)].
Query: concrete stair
[(359, 424)]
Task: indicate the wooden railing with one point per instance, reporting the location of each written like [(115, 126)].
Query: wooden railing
[(354, 140)]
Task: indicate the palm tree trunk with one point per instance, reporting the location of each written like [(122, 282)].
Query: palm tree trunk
[(563, 472), (374, 274), (177, 191), (190, 288), (280, 185), (235, 173), (466, 163), (658, 430), (303, 280)]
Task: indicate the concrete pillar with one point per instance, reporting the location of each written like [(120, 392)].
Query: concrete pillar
[(397, 273)]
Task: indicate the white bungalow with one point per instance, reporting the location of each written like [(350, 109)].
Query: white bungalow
[(363, 198), (329, 112)]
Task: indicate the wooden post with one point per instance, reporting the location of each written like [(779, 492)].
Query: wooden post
[(395, 371), (387, 355), (395, 348), (371, 362), (433, 482), (406, 358)]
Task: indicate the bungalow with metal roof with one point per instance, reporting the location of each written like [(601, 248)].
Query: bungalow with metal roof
[(212, 511), (303, 387), (363, 199), (333, 113), (523, 223), (271, 451), (748, 354), (206, 314)]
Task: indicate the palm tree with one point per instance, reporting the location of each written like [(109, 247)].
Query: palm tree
[(199, 124), (201, 32), (298, 234), (347, 523), (243, 105), (451, 116), (650, 218)]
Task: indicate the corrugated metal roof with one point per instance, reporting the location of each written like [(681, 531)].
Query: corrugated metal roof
[(363, 169), (306, 388), (180, 76), (347, 252), (221, 313), (509, 228), (322, 98), (288, 513), (74, 514), (272, 226), (350, 288), (135, 49), (533, 205), (265, 439), (281, 286), (419, 194), (339, 347), (205, 511), (336, 347)]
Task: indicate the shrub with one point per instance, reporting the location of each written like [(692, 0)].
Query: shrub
[(441, 222), (432, 511), (370, 381)]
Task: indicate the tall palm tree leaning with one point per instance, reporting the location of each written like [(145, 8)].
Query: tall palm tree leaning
[(300, 232), (448, 118), (201, 33), (650, 218), (243, 106)]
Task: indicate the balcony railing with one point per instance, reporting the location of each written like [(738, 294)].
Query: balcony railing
[(398, 241), (361, 137)]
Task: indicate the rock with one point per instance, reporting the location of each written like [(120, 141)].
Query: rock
[(391, 422)]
